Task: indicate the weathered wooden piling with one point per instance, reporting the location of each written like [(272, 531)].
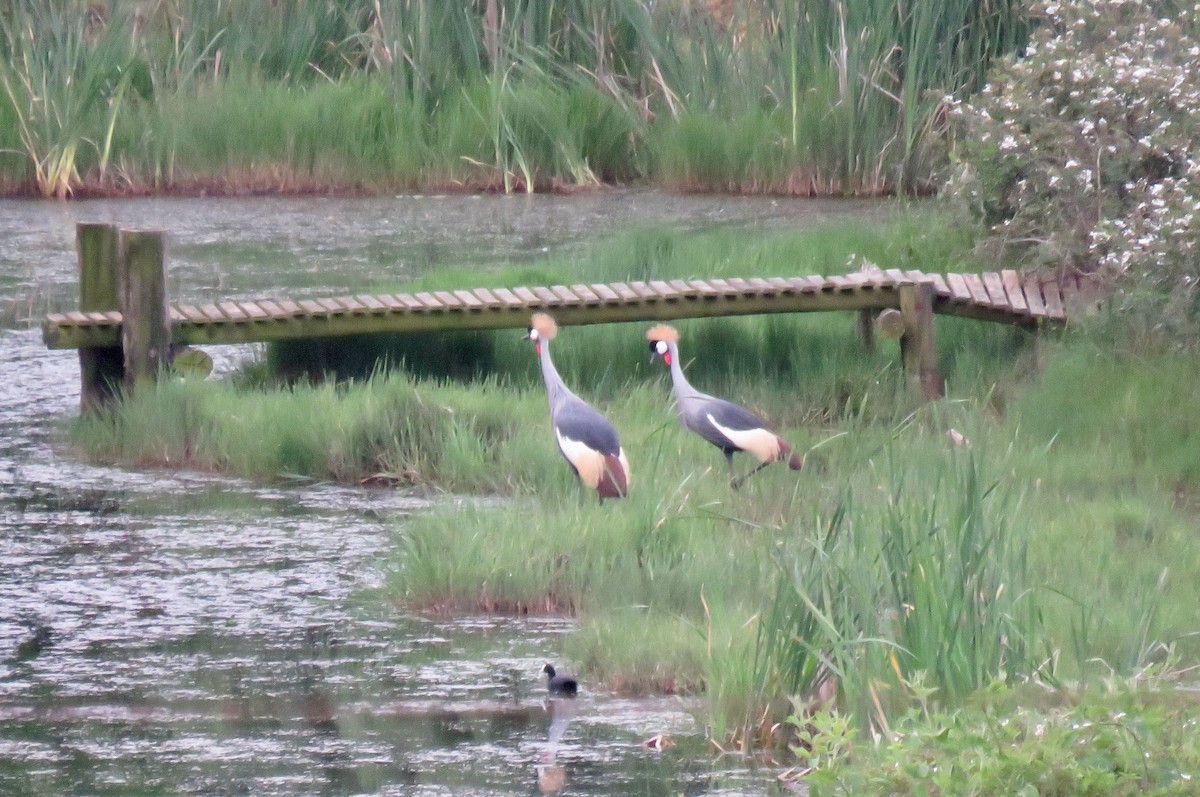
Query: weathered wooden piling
[(101, 368), (145, 330), (918, 344), (122, 271)]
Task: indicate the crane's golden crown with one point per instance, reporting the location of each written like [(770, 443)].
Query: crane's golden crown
[(544, 325), (663, 332)]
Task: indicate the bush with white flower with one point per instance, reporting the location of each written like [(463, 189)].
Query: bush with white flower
[(1084, 152)]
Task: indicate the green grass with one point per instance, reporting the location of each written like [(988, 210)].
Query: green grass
[(1127, 738)]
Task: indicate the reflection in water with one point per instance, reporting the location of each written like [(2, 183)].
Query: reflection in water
[(551, 776)]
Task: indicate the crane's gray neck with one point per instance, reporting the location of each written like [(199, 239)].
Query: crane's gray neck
[(556, 389), (683, 388)]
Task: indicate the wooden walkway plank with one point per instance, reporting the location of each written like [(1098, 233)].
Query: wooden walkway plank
[(664, 291), (527, 297), (192, 313), (307, 305), (213, 313), (370, 303), (682, 289), (958, 288), (508, 297), (1012, 287), (428, 301), (447, 299), (606, 293), (807, 285), (585, 294), (273, 310), (468, 300), (723, 288), (764, 288), (253, 311), (626, 292), (862, 281), (995, 289), (1033, 296), (939, 281), (487, 298), (409, 301), (565, 296), (643, 290), (979, 293)]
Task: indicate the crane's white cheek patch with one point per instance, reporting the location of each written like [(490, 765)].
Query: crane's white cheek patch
[(762, 443), (587, 461)]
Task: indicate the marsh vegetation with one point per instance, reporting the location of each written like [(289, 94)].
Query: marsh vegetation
[(798, 98)]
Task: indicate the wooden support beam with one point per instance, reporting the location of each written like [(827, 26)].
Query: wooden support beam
[(918, 346), (100, 367), (866, 328), (145, 329)]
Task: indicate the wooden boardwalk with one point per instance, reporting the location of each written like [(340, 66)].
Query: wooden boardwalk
[(127, 333), (1007, 297)]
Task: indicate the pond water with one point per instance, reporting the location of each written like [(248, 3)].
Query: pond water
[(187, 633)]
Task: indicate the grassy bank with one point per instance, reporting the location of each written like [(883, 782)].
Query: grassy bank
[(753, 95), (1034, 526)]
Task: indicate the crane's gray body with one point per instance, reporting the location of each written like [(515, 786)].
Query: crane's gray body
[(573, 417), (585, 437), (728, 426)]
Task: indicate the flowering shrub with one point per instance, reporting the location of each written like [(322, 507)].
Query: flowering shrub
[(1084, 153)]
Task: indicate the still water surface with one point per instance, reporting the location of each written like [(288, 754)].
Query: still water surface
[(187, 633)]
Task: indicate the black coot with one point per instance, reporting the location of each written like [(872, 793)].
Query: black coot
[(560, 684)]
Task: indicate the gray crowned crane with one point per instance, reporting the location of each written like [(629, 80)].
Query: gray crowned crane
[(585, 437), (726, 425)]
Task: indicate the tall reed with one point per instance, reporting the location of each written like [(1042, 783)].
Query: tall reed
[(64, 83), (929, 589), (776, 96)]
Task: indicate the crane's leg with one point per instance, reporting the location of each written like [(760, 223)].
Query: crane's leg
[(728, 452), (736, 483)]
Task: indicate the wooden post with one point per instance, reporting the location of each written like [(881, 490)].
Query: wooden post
[(100, 369), (866, 328), (145, 328), (918, 346)]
